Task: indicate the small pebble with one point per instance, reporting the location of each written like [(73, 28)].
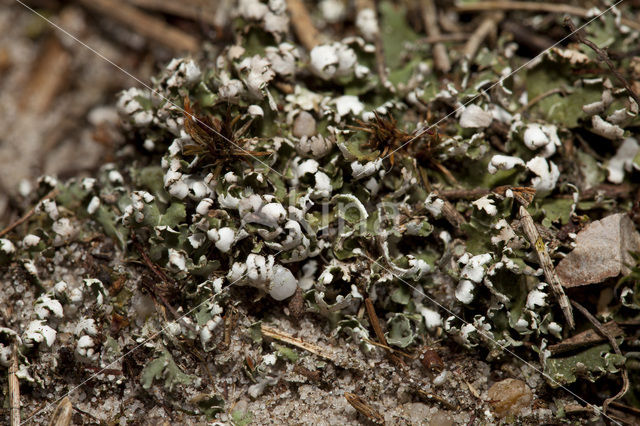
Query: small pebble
[(304, 125), (510, 397)]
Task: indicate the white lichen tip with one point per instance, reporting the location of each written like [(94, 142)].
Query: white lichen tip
[(37, 331), (547, 174), (536, 298), (474, 268), (367, 24), (283, 283), (332, 10), (348, 104), (6, 246), (84, 347), (45, 306), (94, 204), (503, 162), (255, 111), (475, 117), (434, 205), (432, 319), (485, 203), (223, 238), (464, 291), (332, 60), (86, 326), (605, 129), (538, 136), (623, 160), (177, 259), (258, 74), (262, 272)]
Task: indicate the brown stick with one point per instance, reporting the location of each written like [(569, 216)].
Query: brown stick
[(14, 389), (364, 408), (532, 6), (450, 213), (612, 341), (486, 27), (530, 230), (195, 10), (442, 38), (47, 78), (603, 56), (538, 98), (303, 25), (429, 15), (375, 324), (527, 37), (28, 214), (287, 338), (145, 24), (381, 68), (465, 194)]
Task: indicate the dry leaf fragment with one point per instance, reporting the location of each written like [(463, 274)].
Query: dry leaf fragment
[(602, 250), (62, 415)]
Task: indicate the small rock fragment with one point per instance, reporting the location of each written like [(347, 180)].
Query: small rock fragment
[(510, 397), (304, 125), (602, 250)]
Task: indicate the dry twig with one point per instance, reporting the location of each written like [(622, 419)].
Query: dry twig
[(465, 194), (381, 67), (14, 389), (440, 57), (303, 25), (430, 396), (196, 10), (47, 78), (442, 38), (28, 214), (540, 97), (450, 213), (603, 56), (533, 6), (363, 407), (612, 341), (530, 230), (299, 343), (375, 323), (487, 26), (145, 24), (524, 36)]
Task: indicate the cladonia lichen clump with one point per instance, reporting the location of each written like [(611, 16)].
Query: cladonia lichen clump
[(316, 178)]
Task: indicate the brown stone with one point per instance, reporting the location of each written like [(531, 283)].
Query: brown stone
[(510, 397), (304, 125)]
